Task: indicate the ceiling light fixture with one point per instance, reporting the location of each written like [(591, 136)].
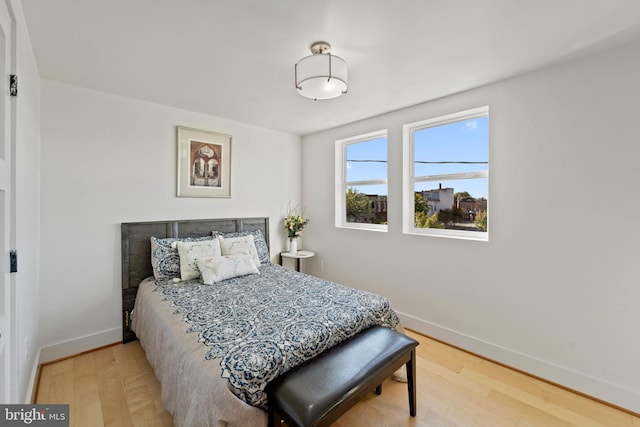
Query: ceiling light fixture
[(321, 75)]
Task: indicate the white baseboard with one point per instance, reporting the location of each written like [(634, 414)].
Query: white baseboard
[(605, 391), (79, 345), (30, 396)]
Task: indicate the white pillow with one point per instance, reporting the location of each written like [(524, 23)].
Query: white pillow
[(216, 269), (189, 252), (239, 245)]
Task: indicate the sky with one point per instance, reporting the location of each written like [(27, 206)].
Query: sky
[(463, 141)]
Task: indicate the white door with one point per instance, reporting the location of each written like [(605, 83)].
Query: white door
[(8, 370)]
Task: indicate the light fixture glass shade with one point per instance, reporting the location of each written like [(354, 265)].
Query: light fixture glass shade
[(321, 76)]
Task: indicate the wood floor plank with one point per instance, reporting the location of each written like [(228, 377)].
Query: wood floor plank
[(534, 401), (89, 414), (116, 387), (113, 398), (61, 388), (603, 414)]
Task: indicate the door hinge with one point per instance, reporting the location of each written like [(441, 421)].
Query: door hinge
[(13, 261), (13, 85)]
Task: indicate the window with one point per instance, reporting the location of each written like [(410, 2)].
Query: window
[(446, 175), (361, 181)]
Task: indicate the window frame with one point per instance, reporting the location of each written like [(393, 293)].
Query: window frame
[(409, 179), (341, 183)]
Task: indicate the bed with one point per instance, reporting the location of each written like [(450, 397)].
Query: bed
[(214, 348)]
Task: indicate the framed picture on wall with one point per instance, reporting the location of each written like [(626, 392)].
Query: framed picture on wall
[(204, 163)]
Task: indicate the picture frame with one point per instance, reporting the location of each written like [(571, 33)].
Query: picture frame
[(204, 163)]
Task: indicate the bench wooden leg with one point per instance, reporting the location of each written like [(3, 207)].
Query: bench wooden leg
[(274, 418), (411, 383)]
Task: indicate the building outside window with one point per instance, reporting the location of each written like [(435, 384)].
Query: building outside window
[(446, 175)]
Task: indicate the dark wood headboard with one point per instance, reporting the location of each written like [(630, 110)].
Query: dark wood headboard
[(136, 250)]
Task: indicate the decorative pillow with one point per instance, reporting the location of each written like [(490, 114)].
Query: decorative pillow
[(189, 252), (239, 245), (258, 239), (165, 259), (216, 269)]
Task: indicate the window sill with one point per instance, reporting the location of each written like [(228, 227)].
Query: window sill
[(450, 234), (366, 227)]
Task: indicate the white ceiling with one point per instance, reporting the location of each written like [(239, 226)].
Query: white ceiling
[(234, 58)]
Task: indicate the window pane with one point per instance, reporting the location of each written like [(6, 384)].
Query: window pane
[(366, 204), (452, 148), (455, 204), (366, 160), (476, 188), (378, 190)]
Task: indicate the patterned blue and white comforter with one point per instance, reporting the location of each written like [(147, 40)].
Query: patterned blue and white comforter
[(260, 326)]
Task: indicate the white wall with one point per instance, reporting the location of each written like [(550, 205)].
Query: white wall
[(27, 206), (107, 160), (555, 290)]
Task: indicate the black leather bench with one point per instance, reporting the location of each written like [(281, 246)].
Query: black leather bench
[(318, 392)]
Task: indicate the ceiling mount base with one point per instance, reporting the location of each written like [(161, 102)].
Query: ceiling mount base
[(320, 47)]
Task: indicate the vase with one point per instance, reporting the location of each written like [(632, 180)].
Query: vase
[(293, 246)]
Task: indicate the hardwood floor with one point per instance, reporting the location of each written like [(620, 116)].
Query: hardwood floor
[(115, 386)]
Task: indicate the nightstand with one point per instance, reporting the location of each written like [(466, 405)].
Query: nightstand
[(297, 256)]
